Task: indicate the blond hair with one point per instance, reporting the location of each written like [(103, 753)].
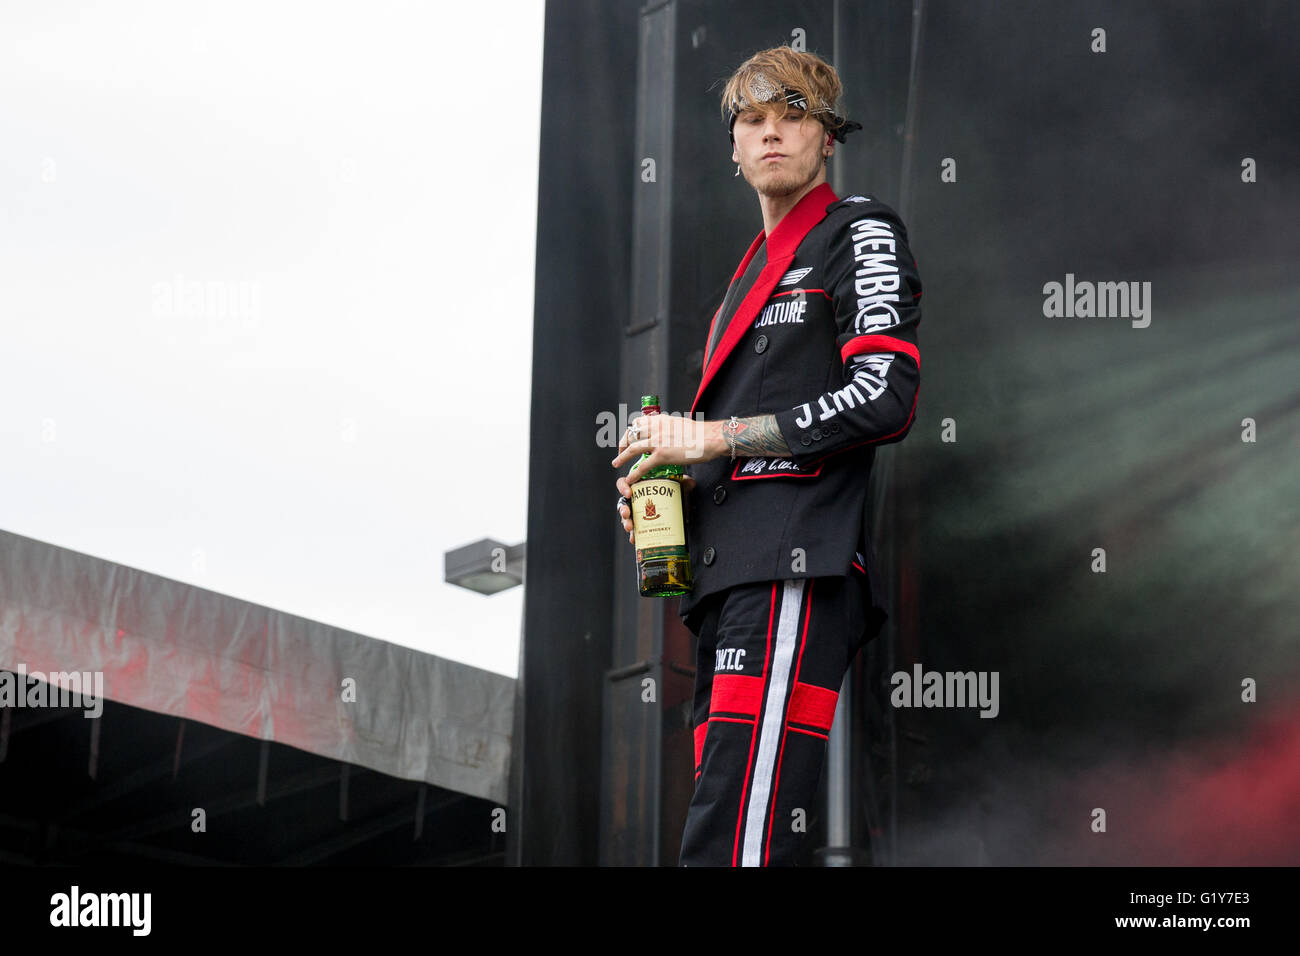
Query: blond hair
[(807, 73)]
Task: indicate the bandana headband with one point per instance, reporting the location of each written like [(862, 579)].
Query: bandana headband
[(793, 99)]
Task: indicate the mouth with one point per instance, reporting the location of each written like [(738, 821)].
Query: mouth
[(773, 156)]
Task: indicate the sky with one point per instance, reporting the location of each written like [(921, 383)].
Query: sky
[(259, 263)]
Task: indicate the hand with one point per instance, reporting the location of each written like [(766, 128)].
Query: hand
[(625, 512), (669, 440)]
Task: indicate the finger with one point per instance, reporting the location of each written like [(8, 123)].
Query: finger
[(623, 487), (639, 425), (634, 450), (624, 453)]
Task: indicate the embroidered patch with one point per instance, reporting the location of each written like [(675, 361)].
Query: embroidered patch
[(772, 468)]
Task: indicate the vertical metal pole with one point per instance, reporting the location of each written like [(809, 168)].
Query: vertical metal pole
[(176, 758), (839, 821), (839, 830), (5, 719), (94, 746), (419, 813), (262, 758)]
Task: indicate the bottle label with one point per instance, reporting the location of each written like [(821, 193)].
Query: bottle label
[(657, 513)]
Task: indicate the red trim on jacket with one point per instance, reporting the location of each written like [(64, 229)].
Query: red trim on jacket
[(712, 322), (736, 476), (777, 295), (781, 246), (810, 733), (879, 343)]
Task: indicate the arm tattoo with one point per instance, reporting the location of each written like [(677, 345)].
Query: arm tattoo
[(760, 436)]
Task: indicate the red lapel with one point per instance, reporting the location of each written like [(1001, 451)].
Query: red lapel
[(740, 271), (781, 246)]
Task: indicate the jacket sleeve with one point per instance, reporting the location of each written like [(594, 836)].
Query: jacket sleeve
[(876, 294)]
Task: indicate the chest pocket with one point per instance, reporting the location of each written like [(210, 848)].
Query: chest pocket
[(785, 309), (798, 317), (794, 334)]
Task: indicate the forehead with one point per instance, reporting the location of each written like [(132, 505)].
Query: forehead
[(775, 106)]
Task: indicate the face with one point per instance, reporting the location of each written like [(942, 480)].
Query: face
[(801, 140)]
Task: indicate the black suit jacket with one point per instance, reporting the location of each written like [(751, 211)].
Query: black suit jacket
[(826, 339)]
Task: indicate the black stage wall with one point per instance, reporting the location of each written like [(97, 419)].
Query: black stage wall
[(584, 266), (1102, 512)]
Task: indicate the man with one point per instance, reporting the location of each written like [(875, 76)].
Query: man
[(811, 362)]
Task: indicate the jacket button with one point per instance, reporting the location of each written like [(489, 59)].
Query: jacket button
[(835, 428), (805, 440), (719, 493), (760, 344), (816, 434), (709, 555)]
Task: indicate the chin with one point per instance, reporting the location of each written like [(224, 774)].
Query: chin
[(780, 185)]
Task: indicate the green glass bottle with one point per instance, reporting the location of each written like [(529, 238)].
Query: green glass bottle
[(663, 562)]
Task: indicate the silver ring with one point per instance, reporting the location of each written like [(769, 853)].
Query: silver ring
[(618, 508), (632, 433)]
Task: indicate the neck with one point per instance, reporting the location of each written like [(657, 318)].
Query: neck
[(776, 207)]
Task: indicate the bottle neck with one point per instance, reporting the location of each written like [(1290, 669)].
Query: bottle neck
[(663, 471)]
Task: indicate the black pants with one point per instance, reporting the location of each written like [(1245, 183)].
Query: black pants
[(771, 659)]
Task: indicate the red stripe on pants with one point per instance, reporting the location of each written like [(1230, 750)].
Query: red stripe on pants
[(813, 705), (736, 694), (776, 782), (753, 738)]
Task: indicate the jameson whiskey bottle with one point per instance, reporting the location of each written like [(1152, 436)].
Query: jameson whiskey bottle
[(663, 564)]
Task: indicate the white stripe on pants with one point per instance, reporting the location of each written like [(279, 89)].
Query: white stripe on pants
[(772, 722)]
